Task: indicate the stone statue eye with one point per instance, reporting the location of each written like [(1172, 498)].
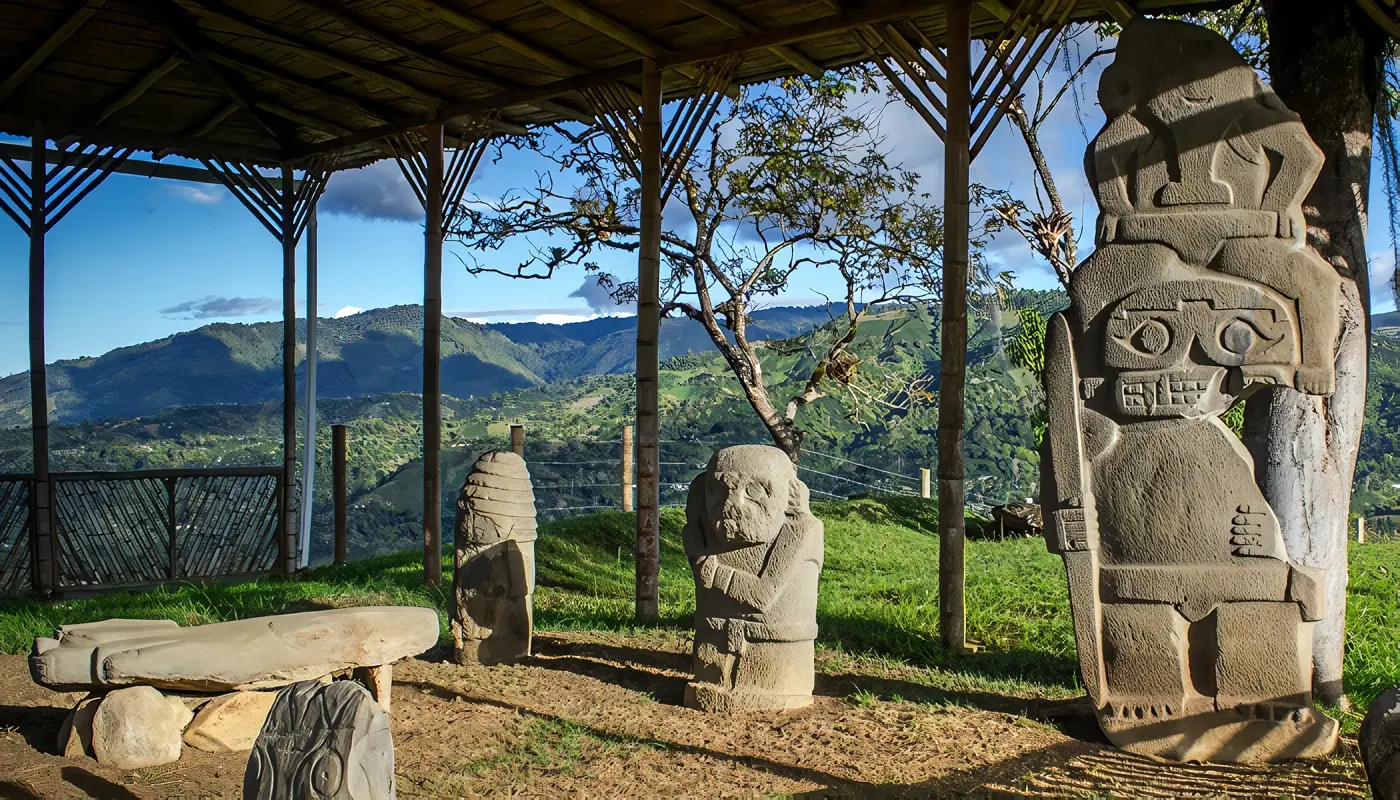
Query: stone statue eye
[(1238, 337), (327, 773), (759, 490), (1152, 337)]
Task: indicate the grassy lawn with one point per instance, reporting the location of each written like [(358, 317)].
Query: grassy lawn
[(878, 602)]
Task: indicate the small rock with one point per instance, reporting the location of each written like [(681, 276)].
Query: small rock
[(1380, 745), (75, 737), (229, 723), (138, 727)]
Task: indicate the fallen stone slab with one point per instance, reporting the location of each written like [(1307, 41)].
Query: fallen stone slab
[(1380, 745), (138, 727), (256, 653), (75, 737), (329, 742), (230, 722)]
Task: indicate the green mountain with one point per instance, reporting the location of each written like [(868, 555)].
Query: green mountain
[(372, 353)]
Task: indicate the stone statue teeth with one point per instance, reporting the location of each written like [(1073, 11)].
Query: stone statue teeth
[(756, 553), (1193, 626)]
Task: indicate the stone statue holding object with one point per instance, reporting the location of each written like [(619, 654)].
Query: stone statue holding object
[(756, 553), (1193, 627), (494, 581)]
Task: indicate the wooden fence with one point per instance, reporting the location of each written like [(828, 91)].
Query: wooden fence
[(120, 528)]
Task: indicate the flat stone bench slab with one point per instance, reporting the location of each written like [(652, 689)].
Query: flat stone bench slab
[(255, 653)]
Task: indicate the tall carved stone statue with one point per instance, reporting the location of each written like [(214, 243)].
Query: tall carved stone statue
[(494, 582), (756, 553), (1193, 628)]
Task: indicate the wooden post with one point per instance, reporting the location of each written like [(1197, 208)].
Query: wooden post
[(626, 467), (340, 445), (648, 364), (951, 413), (517, 439), (172, 528), (924, 488), (1360, 530), (286, 532), (45, 553), (432, 361), (308, 457)]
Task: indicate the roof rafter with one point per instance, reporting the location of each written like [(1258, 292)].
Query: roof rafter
[(618, 32), (456, 68), (71, 24), (739, 22), (140, 86), (1121, 11), (501, 37), (175, 24)]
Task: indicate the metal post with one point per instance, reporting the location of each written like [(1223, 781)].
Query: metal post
[(42, 528), (432, 363), (951, 414), (340, 446), (648, 364), (286, 539), (517, 439), (172, 528), (308, 457), (924, 490), (626, 467)]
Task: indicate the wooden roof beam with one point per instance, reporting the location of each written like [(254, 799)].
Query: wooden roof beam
[(1121, 10), (996, 8), (140, 87), (74, 21), (618, 32), (176, 26), (515, 44), (737, 21), (395, 42)]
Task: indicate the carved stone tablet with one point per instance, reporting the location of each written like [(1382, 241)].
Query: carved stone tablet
[(1193, 627), (322, 742), (756, 553), (494, 583)]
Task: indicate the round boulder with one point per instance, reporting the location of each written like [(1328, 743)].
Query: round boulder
[(138, 727)]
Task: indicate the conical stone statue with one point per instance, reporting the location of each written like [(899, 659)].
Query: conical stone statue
[(494, 581), (1193, 626), (756, 553)]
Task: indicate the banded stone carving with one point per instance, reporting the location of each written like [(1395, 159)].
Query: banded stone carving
[(756, 553), (1193, 627), (494, 581)]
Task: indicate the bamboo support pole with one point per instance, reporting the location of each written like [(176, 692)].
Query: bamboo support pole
[(286, 533), (432, 360), (340, 445), (42, 533), (648, 365), (951, 412)]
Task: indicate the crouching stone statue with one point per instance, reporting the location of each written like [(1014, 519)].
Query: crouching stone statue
[(756, 553), (1193, 626), (494, 581)]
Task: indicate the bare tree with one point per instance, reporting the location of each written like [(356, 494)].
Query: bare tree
[(793, 177)]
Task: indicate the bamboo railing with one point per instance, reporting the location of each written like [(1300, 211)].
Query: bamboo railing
[(145, 526)]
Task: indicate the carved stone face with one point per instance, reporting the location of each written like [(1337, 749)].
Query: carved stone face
[(1183, 63), (747, 492)]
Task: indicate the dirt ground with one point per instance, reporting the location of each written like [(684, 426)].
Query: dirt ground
[(599, 715)]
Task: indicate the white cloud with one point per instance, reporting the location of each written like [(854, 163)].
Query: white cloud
[(562, 319), (199, 195), (348, 311)]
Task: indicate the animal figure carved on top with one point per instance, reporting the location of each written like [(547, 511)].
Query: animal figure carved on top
[(1193, 627)]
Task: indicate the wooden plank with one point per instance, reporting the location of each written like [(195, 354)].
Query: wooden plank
[(470, 24), (75, 21), (617, 31), (140, 87)]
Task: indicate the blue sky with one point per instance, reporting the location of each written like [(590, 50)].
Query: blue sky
[(144, 258)]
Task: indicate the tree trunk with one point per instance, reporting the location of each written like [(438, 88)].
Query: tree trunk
[(1325, 63)]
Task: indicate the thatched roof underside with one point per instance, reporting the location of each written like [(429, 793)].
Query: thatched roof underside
[(275, 80)]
